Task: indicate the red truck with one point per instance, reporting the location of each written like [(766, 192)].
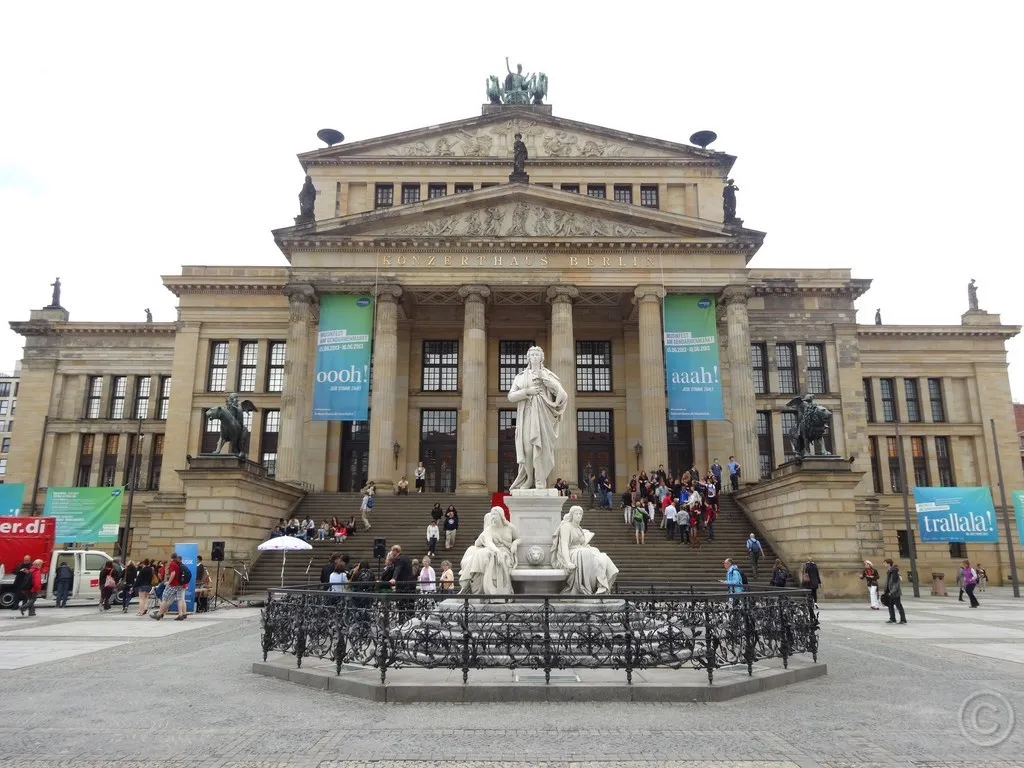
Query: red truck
[(35, 537)]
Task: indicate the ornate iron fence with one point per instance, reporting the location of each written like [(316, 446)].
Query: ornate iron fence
[(704, 630)]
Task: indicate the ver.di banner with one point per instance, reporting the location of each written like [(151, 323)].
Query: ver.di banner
[(1018, 512), (11, 496), (341, 389), (964, 515), (691, 358), (85, 515)]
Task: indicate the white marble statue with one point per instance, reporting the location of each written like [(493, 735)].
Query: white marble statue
[(541, 402), (590, 571), (487, 565)]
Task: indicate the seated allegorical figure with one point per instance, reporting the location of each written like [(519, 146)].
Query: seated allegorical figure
[(487, 565), (590, 571)]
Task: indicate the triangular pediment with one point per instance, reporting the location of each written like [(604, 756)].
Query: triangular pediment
[(492, 135)]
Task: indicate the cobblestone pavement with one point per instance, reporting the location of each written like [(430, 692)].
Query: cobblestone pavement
[(915, 695)]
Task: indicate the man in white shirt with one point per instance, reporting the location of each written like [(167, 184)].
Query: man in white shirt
[(670, 519)]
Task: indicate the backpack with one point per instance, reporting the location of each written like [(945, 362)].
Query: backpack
[(369, 502), (743, 578), (184, 575), (638, 515)]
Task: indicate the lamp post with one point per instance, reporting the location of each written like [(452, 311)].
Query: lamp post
[(397, 448), (1006, 514), (133, 480), (639, 451), (906, 514)]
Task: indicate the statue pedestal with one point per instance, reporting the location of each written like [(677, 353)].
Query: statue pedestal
[(519, 178), (536, 513)]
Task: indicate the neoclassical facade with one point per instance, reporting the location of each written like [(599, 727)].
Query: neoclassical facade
[(469, 271)]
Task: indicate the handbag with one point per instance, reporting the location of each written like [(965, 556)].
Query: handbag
[(885, 599), (110, 583)]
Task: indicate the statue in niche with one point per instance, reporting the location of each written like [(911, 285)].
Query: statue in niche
[(307, 199), (519, 156), (729, 201), (972, 296)]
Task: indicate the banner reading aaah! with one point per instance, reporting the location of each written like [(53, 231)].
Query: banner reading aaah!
[(691, 358), (341, 388)]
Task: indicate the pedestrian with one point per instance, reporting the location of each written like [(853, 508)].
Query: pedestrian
[(779, 574), (33, 586), (733, 577), (870, 576), (143, 585), (327, 570), (108, 585), (711, 511), (734, 473), (63, 581), (754, 552), (970, 582), (447, 578), (177, 580), (365, 507), (127, 584), (421, 477), (716, 471), (982, 577), (451, 527), (433, 534), (811, 579), (639, 526), (892, 597), (627, 507), (22, 585), (670, 520), (426, 578)]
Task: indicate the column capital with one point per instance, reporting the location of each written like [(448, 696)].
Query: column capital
[(563, 294), (300, 293), (473, 293), (389, 293), (648, 293), (735, 294)]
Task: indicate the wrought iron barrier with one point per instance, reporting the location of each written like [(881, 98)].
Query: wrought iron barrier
[(705, 630)]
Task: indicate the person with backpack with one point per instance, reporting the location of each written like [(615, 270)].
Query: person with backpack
[(970, 582), (754, 552), (178, 577), (639, 523), (733, 577)]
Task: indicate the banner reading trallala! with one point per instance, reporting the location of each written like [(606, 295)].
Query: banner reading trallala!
[(341, 389), (965, 515), (691, 358)]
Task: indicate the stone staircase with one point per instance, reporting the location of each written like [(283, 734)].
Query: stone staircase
[(403, 520)]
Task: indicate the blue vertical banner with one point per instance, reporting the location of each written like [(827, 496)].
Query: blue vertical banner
[(691, 358), (341, 388), (11, 497), (189, 553), (965, 515)]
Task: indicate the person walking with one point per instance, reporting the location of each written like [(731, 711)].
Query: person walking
[(33, 586), (779, 574), (63, 581), (433, 534), (960, 583), (451, 527), (127, 584), (366, 506), (733, 577), (174, 592), (143, 585), (811, 579), (108, 585), (639, 524), (870, 576), (754, 552), (970, 582), (420, 476), (893, 595)]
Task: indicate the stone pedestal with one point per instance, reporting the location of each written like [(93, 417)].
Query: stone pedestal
[(519, 178), (536, 513)]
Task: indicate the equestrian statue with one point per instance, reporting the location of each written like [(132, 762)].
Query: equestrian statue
[(232, 424), (812, 424)]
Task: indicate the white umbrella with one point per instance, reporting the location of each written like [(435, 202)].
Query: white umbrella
[(284, 545)]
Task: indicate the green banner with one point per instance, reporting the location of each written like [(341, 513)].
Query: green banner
[(691, 358), (85, 515), (341, 386)]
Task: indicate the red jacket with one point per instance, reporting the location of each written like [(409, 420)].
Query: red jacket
[(37, 578)]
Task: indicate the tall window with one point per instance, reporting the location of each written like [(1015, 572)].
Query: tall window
[(384, 196), (211, 434), (268, 440), (789, 422), (165, 397), (759, 362), (764, 443), (903, 543), (275, 366), (5, 445), (593, 366), (460, 188), (436, 190), (817, 381), (410, 193), (3, 469), (440, 366), (570, 188), (869, 400), (85, 461), (913, 400), (217, 377), (623, 193), (3, 407), (5, 389), (118, 391), (935, 397), (876, 467), (511, 360), (247, 354), (597, 425), (895, 477), (649, 195), (920, 457), (785, 359), (156, 461), (958, 550), (596, 190), (133, 463), (946, 478), (141, 410), (92, 405), (887, 387), (3, 426), (109, 474)]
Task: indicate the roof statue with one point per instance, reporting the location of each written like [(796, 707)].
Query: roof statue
[(729, 202), (972, 296), (307, 199), (55, 299), (518, 88), (878, 316)]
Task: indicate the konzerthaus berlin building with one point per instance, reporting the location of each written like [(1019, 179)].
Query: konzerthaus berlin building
[(469, 271)]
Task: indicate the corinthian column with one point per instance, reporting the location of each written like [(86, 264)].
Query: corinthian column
[(382, 396), (741, 383), (294, 400), (561, 359), (472, 475), (652, 375)]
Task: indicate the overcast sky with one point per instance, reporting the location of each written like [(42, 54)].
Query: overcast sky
[(138, 137)]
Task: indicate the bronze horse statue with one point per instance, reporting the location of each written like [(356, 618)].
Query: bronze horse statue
[(232, 427), (812, 424)]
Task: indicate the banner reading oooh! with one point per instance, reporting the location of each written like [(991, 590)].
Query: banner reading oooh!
[(341, 389), (85, 515), (965, 515), (691, 358)]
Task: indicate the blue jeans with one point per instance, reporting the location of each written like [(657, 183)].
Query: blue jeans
[(61, 591)]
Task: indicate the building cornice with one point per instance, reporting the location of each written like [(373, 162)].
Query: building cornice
[(405, 243), (181, 285), (47, 328), (940, 331)]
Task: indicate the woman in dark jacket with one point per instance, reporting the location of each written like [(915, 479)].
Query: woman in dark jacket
[(811, 579), (143, 585), (779, 574), (108, 584), (131, 572)]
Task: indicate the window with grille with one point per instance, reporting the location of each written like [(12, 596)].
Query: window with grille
[(570, 188), (596, 190), (913, 400), (920, 461), (109, 475), (942, 458), (118, 392), (507, 424), (935, 397), (511, 360), (759, 362), (649, 195), (869, 400), (436, 190), (275, 366), (789, 422), (3, 407), (141, 410), (5, 445), (248, 351), (876, 468), (5, 389), (95, 398), (165, 397), (623, 193), (439, 424), (817, 380), (887, 389), (903, 543), (764, 443), (440, 366), (217, 378), (268, 439), (895, 476), (958, 550), (785, 359), (593, 366), (384, 196), (594, 425), (156, 460), (459, 188), (85, 461), (211, 434), (410, 193)]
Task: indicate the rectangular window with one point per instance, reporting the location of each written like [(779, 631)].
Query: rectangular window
[(764, 443), (958, 550), (118, 391), (913, 400), (247, 354), (935, 396), (511, 360), (156, 461), (92, 404), (869, 400), (5, 445), (920, 461), (384, 196), (3, 407), (759, 362), (595, 425), (165, 397), (5, 389), (593, 366), (895, 477), (217, 377), (460, 188), (942, 457), (570, 188), (789, 422), (85, 461), (439, 424), (410, 193), (649, 195), (211, 434), (817, 380), (887, 388), (623, 193), (596, 190), (436, 190), (3, 425), (440, 366), (268, 440), (141, 410), (785, 360), (109, 474), (3, 467), (133, 463), (903, 543), (876, 467), (275, 366)]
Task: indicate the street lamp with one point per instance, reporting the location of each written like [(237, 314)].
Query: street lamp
[(397, 448), (639, 451)]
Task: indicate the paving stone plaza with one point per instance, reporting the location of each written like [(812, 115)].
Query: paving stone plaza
[(83, 689)]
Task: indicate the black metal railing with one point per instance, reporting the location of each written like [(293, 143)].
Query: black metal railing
[(704, 630)]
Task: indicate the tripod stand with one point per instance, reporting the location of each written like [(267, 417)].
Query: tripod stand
[(217, 599)]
